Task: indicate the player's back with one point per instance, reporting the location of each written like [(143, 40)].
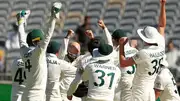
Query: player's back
[(54, 73), (170, 92), (103, 77), (148, 62), (18, 79), (36, 65)]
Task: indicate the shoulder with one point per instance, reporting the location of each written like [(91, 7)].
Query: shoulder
[(130, 51), (63, 62), (164, 73), (18, 62), (140, 54)]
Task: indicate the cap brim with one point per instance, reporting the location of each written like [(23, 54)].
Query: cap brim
[(142, 36), (99, 56)]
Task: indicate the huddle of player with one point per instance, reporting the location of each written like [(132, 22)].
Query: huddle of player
[(112, 70)]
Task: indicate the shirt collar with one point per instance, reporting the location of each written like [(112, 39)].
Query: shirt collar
[(51, 55)]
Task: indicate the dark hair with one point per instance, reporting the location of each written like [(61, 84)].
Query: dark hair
[(94, 43), (86, 18), (170, 41)]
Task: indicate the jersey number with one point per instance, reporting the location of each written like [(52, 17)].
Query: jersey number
[(20, 76), (174, 82), (133, 70), (156, 66), (28, 65), (102, 78)]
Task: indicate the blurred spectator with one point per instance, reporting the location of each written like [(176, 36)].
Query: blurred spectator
[(13, 42), (2, 60), (172, 54), (81, 36)]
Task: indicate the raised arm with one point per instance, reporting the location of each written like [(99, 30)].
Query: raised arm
[(21, 18), (80, 76), (122, 59), (162, 18), (54, 15), (64, 46), (107, 36)]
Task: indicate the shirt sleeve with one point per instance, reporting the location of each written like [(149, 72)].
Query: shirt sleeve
[(44, 43), (75, 83), (107, 36), (68, 69), (140, 57), (63, 48), (85, 74), (22, 40), (158, 84)]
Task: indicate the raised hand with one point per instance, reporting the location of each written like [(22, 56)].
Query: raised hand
[(123, 40), (90, 34), (69, 97), (70, 33), (22, 16), (56, 8), (101, 24), (163, 1)]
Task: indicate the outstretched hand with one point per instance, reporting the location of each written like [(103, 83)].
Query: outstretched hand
[(56, 8), (22, 16), (70, 33), (101, 24)]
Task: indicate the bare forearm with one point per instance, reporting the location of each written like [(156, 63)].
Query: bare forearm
[(162, 18)]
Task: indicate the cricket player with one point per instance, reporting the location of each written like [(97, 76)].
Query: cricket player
[(127, 74), (79, 61), (102, 74), (63, 50), (73, 52), (147, 60), (18, 79), (57, 69), (34, 55), (83, 61), (165, 86)]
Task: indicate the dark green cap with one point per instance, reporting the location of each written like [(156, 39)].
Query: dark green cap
[(34, 35), (105, 49), (118, 33), (53, 47)]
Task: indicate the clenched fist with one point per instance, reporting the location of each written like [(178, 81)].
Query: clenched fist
[(70, 33), (101, 24), (162, 1)]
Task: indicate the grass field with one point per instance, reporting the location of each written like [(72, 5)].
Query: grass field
[(5, 92)]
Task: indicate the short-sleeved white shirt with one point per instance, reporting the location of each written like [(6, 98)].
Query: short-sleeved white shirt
[(167, 84)]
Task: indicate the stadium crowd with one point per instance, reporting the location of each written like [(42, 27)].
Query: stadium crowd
[(86, 67)]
